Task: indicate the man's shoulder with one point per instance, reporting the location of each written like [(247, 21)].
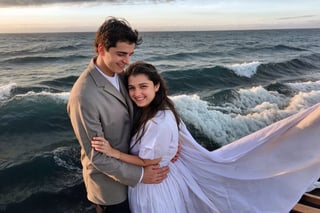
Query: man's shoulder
[(83, 87), (86, 72)]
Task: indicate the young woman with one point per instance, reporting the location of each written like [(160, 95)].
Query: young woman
[(266, 171)]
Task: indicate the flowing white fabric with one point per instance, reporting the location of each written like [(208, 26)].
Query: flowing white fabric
[(267, 171)]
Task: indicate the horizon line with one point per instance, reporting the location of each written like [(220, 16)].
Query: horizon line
[(171, 31)]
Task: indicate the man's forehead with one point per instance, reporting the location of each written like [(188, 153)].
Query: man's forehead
[(124, 44)]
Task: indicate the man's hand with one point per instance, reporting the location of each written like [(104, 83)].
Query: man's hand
[(154, 174), (175, 158)]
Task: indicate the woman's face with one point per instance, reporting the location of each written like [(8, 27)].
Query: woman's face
[(141, 90)]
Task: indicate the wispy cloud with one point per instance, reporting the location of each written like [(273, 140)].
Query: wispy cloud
[(13, 3), (296, 17)]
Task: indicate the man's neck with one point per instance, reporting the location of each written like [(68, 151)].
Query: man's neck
[(103, 68)]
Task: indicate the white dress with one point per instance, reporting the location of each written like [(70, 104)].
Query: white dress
[(265, 172)]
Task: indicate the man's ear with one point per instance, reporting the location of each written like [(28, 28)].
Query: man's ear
[(101, 49)]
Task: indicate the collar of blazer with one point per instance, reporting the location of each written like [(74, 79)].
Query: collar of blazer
[(102, 82)]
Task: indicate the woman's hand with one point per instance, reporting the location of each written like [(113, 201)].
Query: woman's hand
[(102, 145)]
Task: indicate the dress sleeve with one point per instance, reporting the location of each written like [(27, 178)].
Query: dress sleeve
[(156, 140), (150, 147)]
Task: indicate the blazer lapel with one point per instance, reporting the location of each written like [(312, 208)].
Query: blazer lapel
[(123, 90), (102, 82)]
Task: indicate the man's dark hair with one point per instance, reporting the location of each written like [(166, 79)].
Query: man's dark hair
[(114, 30)]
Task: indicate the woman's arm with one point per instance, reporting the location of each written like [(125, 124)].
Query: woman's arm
[(102, 145)]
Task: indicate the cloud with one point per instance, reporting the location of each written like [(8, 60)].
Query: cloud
[(13, 3), (296, 17)]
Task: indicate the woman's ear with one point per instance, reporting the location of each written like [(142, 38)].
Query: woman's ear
[(156, 87)]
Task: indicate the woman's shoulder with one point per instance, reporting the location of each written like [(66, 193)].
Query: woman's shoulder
[(163, 114), (162, 117)]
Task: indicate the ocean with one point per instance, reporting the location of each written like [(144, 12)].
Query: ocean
[(225, 85)]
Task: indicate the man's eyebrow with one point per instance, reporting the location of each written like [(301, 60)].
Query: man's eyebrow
[(123, 52)]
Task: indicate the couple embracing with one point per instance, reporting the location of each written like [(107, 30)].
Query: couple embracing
[(130, 135)]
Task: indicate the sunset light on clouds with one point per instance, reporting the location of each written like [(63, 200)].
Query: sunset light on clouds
[(157, 15)]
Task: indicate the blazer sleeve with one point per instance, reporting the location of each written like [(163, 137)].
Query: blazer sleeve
[(86, 123)]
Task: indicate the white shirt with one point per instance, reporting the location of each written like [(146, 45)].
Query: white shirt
[(113, 80)]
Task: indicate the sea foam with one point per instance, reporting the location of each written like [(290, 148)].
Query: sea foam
[(255, 108), (244, 69), (5, 90)]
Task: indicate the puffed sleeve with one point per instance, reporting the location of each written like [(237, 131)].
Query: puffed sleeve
[(158, 139), (151, 147)]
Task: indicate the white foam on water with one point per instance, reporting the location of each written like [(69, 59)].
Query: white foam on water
[(5, 90), (255, 108), (246, 69), (59, 97)]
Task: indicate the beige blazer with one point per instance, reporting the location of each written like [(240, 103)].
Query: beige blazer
[(97, 108)]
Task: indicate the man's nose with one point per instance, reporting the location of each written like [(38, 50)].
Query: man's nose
[(127, 59)]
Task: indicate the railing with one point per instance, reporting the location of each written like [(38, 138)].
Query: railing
[(309, 203)]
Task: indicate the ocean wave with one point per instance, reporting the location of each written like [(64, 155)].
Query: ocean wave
[(180, 56), (68, 158), (12, 90), (61, 83), (286, 47), (300, 64), (43, 59), (69, 200), (195, 80), (49, 172), (294, 66), (304, 86), (36, 49), (220, 77), (303, 99), (246, 69), (257, 47), (34, 112), (272, 48), (245, 111), (6, 90), (61, 97)]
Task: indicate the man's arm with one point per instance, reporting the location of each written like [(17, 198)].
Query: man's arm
[(85, 123)]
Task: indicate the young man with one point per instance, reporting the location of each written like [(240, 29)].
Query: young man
[(99, 105)]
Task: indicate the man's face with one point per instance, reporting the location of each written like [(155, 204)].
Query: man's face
[(116, 58)]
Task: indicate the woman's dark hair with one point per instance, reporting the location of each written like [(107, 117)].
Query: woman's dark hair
[(161, 100), (114, 30)]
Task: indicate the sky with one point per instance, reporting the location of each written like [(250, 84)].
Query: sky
[(25, 16)]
